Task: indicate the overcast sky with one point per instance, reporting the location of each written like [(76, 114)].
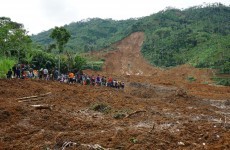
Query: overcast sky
[(41, 15)]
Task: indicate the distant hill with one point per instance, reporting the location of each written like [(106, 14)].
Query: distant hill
[(198, 35), (91, 34)]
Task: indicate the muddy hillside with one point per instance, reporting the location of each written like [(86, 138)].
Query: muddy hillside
[(157, 109), (126, 58)]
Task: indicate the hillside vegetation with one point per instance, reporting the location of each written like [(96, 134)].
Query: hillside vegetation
[(197, 35), (90, 34)]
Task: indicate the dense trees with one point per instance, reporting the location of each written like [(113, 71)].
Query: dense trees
[(17, 47), (91, 34), (14, 40), (190, 36), (14, 44), (61, 35)]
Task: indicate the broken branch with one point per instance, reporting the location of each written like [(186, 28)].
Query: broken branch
[(40, 107), (28, 100), (139, 111), (36, 96)]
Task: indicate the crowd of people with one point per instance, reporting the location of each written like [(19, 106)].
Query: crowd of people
[(86, 79), (23, 71)]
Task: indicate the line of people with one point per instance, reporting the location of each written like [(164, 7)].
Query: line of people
[(25, 72), (86, 79)]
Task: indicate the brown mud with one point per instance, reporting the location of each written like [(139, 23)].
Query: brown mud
[(158, 109)]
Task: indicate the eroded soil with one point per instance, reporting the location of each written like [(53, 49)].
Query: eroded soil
[(158, 109)]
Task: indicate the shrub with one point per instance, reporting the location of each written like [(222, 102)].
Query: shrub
[(100, 107), (191, 78), (225, 82), (133, 140), (119, 115), (94, 65), (225, 68), (222, 81)]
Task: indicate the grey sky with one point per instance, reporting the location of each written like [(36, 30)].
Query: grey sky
[(40, 15)]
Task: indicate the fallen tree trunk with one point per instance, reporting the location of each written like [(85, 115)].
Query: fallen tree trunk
[(40, 107), (139, 111), (29, 100), (95, 147), (36, 96)]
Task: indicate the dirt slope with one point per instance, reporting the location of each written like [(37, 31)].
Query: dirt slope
[(126, 59)]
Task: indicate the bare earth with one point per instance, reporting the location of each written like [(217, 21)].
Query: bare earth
[(158, 109)]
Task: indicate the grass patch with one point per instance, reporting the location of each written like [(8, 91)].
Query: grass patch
[(205, 82), (191, 79), (119, 115), (94, 65), (222, 81), (101, 107), (133, 140)]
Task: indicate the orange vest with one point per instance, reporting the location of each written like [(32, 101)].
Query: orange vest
[(71, 75)]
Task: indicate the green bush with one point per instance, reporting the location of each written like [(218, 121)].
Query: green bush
[(94, 65), (226, 68), (225, 82), (191, 79), (119, 115), (5, 65), (100, 107), (133, 140), (222, 81)]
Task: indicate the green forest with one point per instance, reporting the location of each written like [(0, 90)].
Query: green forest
[(198, 35)]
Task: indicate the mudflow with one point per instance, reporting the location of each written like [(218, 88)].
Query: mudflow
[(158, 109)]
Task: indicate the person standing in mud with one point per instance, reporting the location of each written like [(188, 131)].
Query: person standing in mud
[(71, 76), (83, 79), (18, 73), (14, 68), (98, 80), (56, 73), (45, 74), (103, 82), (87, 80), (31, 73), (40, 73), (9, 74), (93, 80), (122, 85), (110, 82)]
